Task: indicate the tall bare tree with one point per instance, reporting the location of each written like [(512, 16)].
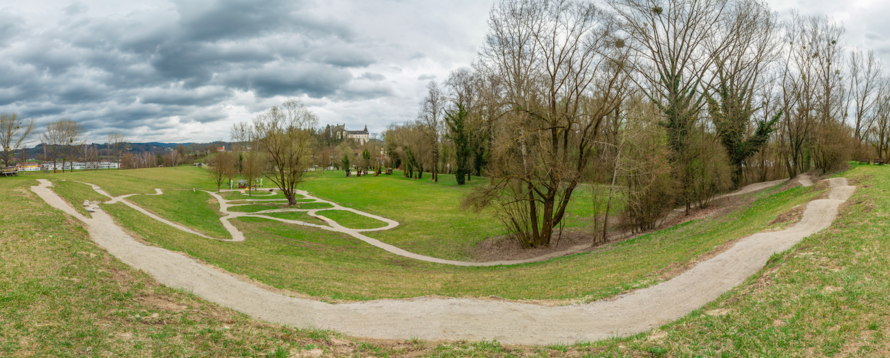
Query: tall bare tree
[(432, 116), (53, 140), (284, 135), (865, 77), (879, 133), (221, 168), (675, 42), (244, 144), (738, 90), (563, 72), (462, 121), (117, 145), (14, 131)]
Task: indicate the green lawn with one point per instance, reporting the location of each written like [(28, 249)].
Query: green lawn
[(301, 204), (825, 297), (331, 265), (234, 195), (63, 296), (197, 210), (60, 295), (297, 215), (351, 220), (76, 193), (431, 220)]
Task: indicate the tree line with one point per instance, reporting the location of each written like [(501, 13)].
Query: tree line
[(666, 102), (64, 141)]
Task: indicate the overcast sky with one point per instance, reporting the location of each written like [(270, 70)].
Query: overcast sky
[(184, 71)]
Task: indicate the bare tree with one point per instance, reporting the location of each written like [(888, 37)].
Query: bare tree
[(244, 143), (463, 120), (432, 116), (117, 145), (221, 168), (738, 88), (563, 73), (13, 132), (865, 75), (52, 140), (879, 132), (676, 42), (284, 135)]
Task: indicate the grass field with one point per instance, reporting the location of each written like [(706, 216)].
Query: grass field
[(431, 220), (301, 204), (60, 295), (297, 215), (351, 220), (77, 193), (197, 210), (333, 266), (234, 195)]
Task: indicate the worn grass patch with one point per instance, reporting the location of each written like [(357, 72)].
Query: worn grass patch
[(351, 220)]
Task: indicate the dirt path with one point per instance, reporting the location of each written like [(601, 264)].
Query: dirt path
[(468, 319)]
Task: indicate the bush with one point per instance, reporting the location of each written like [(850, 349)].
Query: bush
[(833, 146)]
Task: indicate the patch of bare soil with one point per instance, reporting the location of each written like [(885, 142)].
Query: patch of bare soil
[(504, 247), (791, 216), (577, 240)]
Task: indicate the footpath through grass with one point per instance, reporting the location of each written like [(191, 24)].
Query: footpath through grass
[(825, 297), (351, 220), (63, 296), (334, 266), (431, 220), (60, 295), (197, 210)]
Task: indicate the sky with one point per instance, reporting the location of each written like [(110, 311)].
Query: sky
[(185, 71)]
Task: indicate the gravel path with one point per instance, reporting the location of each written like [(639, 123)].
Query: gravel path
[(468, 319)]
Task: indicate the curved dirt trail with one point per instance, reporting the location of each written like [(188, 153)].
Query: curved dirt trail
[(468, 319)]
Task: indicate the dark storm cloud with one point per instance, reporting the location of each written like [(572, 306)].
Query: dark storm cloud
[(10, 26), (136, 69)]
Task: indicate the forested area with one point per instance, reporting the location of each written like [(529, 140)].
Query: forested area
[(668, 102)]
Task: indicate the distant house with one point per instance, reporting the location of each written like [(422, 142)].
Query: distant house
[(30, 166), (361, 137), (221, 149)]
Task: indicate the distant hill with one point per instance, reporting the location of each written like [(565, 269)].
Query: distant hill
[(136, 148)]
